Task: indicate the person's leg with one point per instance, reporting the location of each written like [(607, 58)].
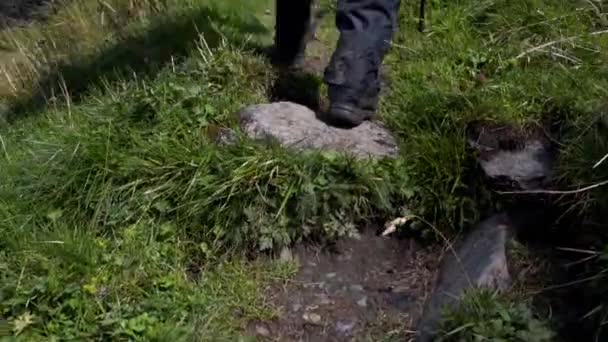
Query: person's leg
[(366, 28), (293, 19)]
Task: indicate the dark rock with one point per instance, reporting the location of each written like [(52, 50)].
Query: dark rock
[(529, 168), (297, 127), (479, 261), (513, 158)]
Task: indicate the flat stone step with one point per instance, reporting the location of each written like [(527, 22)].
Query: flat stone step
[(297, 127)]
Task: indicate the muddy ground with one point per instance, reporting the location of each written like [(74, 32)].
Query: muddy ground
[(365, 289)]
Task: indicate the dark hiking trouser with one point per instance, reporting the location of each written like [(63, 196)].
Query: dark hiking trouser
[(366, 28)]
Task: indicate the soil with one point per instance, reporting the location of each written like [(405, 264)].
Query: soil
[(22, 12), (488, 137), (364, 289)]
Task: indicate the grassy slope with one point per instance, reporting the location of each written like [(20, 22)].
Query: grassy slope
[(79, 264), (114, 198)]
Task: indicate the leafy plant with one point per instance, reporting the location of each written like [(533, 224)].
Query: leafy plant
[(487, 316)]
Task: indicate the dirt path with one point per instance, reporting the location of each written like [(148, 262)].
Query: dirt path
[(366, 289)]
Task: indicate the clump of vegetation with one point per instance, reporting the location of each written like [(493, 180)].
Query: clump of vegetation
[(87, 43), (504, 62), (64, 282), (158, 159), (488, 316)]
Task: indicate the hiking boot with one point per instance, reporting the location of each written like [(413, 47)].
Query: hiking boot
[(345, 115), (353, 82), (349, 107), (366, 28)]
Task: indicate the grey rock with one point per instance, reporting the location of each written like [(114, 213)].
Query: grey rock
[(345, 327), (479, 261), (297, 127), (514, 157), (530, 167), (362, 302), (312, 318), (262, 331)]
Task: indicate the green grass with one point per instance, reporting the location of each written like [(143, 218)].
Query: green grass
[(60, 282), (122, 218), (90, 41), (436, 89)]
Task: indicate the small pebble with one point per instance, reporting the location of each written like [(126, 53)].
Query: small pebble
[(262, 331), (324, 300), (330, 275), (312, 307), (296, 307), (346, 257), (358, 288), (312, 318), (401, 289), (362, 302), (345, 327), (319, 285)]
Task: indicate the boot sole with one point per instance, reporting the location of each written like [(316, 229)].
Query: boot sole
[(347, 116)]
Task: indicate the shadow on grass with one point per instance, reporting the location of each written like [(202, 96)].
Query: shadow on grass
[(168, 40), (297, 86)]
